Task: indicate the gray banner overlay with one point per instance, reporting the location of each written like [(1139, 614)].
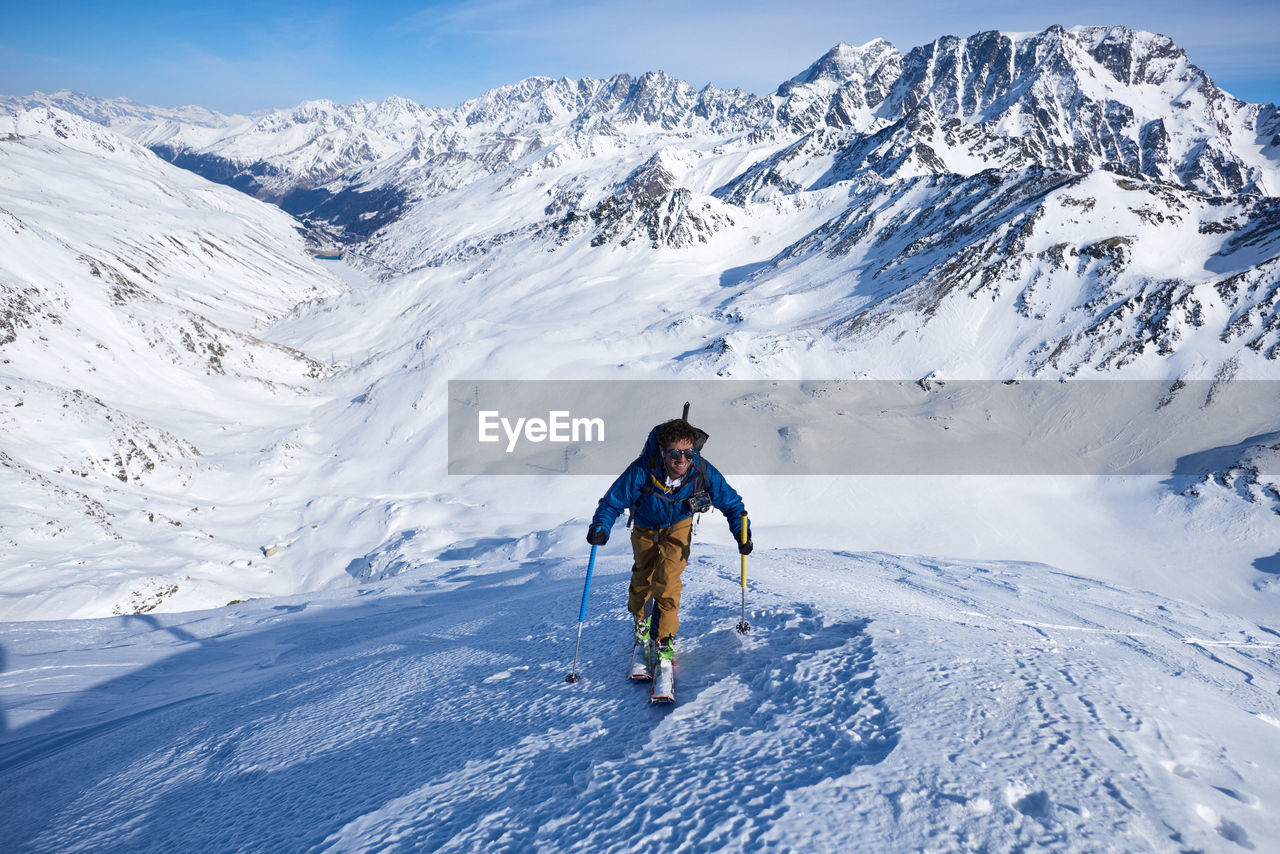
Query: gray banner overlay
[(863, 427)]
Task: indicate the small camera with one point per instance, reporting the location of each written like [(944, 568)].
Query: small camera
[(699, 502)]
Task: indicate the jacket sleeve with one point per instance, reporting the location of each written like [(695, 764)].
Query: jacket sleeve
[(727, 501), (620, 496)]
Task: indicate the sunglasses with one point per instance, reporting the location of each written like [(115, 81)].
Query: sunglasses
[(676, 453)]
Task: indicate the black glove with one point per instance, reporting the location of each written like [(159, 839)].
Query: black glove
[(745, 548), (597, 536)]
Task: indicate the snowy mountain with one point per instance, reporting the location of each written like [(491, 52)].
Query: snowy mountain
[(132, 298), (1080, 99), (842, 89), (718, 234), (198, 415), (120, 114), (1076, 100), (1063, 272), (826, 177)]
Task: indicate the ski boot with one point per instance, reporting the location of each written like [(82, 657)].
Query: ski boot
[(664, 672), (641, 650)]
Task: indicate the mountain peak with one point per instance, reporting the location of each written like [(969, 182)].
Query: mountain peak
[(112, 112), (845, 62), (70, 130), (1137, 56)]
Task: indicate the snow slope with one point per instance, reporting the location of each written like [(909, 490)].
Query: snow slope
[(133, 298), (197, 414), (346, 476), (879, 703)]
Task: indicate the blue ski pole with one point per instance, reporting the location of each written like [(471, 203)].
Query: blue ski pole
[(582, 615)]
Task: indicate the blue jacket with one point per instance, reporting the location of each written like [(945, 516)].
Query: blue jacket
[(641, 488)]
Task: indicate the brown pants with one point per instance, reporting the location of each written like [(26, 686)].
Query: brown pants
[(660, 558)]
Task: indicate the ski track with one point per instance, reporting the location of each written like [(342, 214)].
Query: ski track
[(879, 702), (641, 774)]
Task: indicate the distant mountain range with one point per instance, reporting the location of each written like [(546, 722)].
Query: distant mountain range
[(1086, 98), (1070, 203), (1090, 183)]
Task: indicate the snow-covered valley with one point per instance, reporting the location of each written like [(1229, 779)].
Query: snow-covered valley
[(246, 606)]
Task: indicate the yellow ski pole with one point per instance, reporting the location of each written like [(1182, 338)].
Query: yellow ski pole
[(743, 625)]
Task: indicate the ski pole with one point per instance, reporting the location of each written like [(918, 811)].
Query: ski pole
[(743, 625), (582, 614)]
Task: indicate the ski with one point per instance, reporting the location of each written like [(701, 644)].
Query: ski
[(640, 663), (664, 681)]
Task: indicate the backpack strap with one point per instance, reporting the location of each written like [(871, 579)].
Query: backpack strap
[(652, 486)]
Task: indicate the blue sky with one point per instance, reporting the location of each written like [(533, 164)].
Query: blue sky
[(246, 56)]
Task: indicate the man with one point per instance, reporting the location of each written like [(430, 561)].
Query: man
[(663, 488)]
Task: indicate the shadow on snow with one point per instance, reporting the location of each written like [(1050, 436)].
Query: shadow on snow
[(440, 717)]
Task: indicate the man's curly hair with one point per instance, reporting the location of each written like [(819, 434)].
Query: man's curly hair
[(674, 430)]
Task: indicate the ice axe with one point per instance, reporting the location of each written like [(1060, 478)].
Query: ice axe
[(743, 625)]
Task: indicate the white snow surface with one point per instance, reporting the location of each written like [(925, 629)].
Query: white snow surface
[(132, 300), (176, 423), (246, 607), (880, 702)]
